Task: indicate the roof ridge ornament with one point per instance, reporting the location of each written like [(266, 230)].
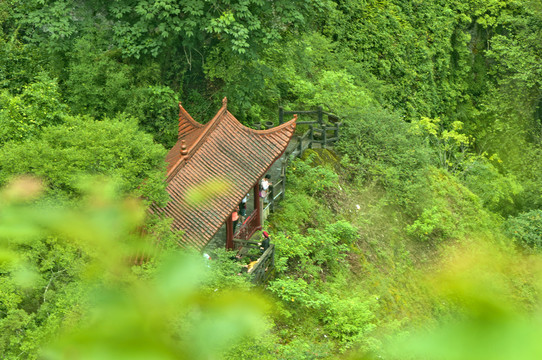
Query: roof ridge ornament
[(184, 151), (225, 102)]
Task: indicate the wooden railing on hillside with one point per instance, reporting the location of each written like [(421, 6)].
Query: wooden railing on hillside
[(327, 132), (265, 267), (319, 132)]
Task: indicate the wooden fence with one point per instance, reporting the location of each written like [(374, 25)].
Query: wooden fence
[(265, 267)]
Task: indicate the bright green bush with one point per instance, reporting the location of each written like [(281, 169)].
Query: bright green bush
[(298, 290), (311, 178), (342, 230), (316, 252), (350, 320), (223, 272), (98, 83), (64, 155), (297, 212), (452, 212), (498, 192), (526, 228), (24, 116)]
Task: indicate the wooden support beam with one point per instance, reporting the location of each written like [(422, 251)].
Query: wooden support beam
[(229, 233)]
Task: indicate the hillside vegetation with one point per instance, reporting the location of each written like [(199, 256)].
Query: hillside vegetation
[(417, 236)]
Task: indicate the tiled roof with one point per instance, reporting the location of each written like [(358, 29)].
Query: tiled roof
[(222, 152)]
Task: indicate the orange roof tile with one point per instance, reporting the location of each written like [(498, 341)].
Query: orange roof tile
[(221, 152)]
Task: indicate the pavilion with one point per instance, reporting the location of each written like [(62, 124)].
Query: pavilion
[(211, 168)]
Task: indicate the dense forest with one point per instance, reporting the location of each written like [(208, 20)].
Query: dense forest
[(418, 236)]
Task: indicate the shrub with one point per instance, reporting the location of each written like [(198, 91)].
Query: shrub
[(498, 192), (381, 148), (24, 116), (350, 320), (526, 228), (66, 154), (310, 178), (452, 212)]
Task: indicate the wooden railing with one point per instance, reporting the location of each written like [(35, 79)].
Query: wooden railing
[(264, 269), (249, 227), (319, 132), (326, 132)]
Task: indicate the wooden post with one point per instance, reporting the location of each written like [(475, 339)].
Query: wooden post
[(257, 204), (229, 233), (283, 187), (312, 136), (324, 132), (272, 200), (281, 115)]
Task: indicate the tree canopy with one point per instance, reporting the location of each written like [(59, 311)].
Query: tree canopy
[(438, 174)]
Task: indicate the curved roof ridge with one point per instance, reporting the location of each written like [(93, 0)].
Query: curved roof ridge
[(205, 129), (276, 128), (263, 132), (225, 149), (187, 116), (186, 123)]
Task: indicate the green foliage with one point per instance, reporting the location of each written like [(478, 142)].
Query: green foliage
[(526, 228), (101, 84), (497, 192), (312, 180), (225, 273), (478, 277), (454, 211), (98, 84), (151, 27), (408, 47), (344, 231), (450, 145), (64, 155), (317, 252), (52, 24), (299, 290), (351, 321), (68, 287), (154, 107), (300, 212), (321, 157), (380, 148), (26, 115), (18, 62)]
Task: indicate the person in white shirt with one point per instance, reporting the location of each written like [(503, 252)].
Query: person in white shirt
[(264, 187)]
